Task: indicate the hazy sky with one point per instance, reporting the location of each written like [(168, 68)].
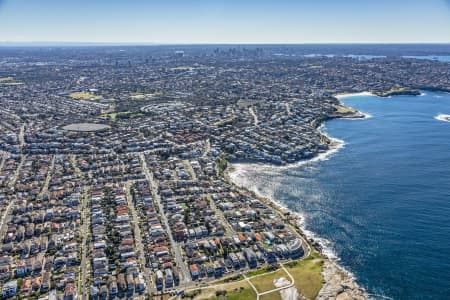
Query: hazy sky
[(225, 21)]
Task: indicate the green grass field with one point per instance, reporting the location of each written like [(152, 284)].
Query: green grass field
[(307, 275), (271, 296), (84, 96), (234, 291), (245, 294), (256, 272), (344, 110), (264, 283), (123, 115), (9, 81)]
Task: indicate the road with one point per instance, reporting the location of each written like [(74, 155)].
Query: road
[(2, 162), (48, 178), (207, 148), (21, 137), (255, 117), (73, 162), (84, 246), (12, 181), (7, 213), (219, 214), (9, 113), (175, 247), (138, 238), (191, 171), (85, 230), (288, 108), (5, 218)]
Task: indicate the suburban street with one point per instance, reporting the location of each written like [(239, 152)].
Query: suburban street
[(21, 136), (207, 148), (84, 246), (5, 218), (3, 159), (47, 179), (13, 179), (188, 166), (7, 213), (138, 238), (175, 247), (255, 117)]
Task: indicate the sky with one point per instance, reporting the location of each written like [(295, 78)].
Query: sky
[(225, 21)]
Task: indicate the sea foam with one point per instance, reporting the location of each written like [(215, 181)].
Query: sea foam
[(241, 175), (443, 117)]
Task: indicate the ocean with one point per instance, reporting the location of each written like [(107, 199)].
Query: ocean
[(442, 58), (380, 204)]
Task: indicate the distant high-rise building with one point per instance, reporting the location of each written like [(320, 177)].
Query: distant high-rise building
[(179, 53)]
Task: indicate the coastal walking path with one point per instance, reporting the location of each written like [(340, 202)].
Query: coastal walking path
[(258, 294), (281, 287)]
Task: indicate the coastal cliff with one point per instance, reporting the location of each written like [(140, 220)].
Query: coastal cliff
[(344, 112), (398, 92)]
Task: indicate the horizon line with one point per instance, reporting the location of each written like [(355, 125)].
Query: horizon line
[(81, 43)]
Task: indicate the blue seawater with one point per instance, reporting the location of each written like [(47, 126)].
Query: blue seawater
[(383, 200), (441, 58)]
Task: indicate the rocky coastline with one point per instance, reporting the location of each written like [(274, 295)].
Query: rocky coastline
[(398, 92), (338, 284)]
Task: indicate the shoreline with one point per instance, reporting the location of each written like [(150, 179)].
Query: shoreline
[(359, 94), (389, 93), (335, 275), (236, 173), (357, 115), (337, 279)]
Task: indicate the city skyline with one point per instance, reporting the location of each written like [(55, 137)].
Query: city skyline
[(225, 22)]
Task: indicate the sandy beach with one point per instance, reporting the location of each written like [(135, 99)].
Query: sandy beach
[(340, 96), (347, 95)]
